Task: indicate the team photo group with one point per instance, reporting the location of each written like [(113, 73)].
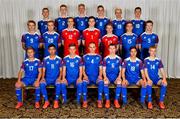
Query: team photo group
[(88, 50)]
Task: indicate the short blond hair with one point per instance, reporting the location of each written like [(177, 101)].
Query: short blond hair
[(118, 9)]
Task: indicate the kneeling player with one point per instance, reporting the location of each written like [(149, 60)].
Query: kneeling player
[(32, 69), (132, 71), (72, 73), (112, 74), (152, 66), (92, 72), (51, 75)]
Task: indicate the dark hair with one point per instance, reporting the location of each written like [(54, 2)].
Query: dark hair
[(137, 8), (133, 47), (45, 8), (70, 18), (149, 21), (100, 6), (81, 4), (92, 43), (51, 21), (72, 45), (30, 48), (51, 45), (109, 24), (92, 17), (63, 5), (112, 44), (31, 21), (128, 22)]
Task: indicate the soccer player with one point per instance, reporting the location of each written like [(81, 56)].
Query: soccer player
[(51, 37), (42, 24), (147, 39), (108, 39), (31, 38), (101, 20), (118, 23), (32, 74), (138, 23), (51, 75), (72, 73), (133, 74), (127, 40), (152, 65), (70, 35), (91, 34), (112, 75), (61, 22), (92, 74)]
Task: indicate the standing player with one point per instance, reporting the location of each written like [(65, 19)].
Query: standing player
[(138, 23), (61, 22), (32, 69), (51, 75), (128, 40), (31, 38), (91, 34), (108, 39), (112, 74), (42, 24), (70, 35), (72, 73), (152, 66), (132, 71), (50, 37), (148, 39), (101, 20), (92, 72), (118, 23)]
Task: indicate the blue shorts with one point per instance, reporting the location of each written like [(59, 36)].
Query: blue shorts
[(92, 79), (112, 79), (50, 81), (155, 81), (28, 81), (133, 81)]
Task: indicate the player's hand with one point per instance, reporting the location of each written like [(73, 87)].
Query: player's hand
[(85, 77), (149, 82), (144, 82), (79, 80), (36, 83), (124, 82), (64, 81), (164, 82), (106, 81), (100, 77), (118, 81), (43, 80)]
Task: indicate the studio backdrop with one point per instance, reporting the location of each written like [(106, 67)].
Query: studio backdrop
[(15, 14)]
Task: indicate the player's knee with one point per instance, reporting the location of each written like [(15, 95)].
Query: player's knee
[(18, 85)]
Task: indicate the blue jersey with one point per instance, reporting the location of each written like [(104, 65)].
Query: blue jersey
[(153, 67), (30, 68), (132, 69), (92, 64), (72, 67), (61, 24), (119, 27), (138, 26), (52, 68), (50, 39), (42, 26), (101, 25), (147, 40), (81, 23), (113, 66)]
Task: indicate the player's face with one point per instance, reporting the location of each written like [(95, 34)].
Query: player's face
[(52, 51), (137, 13), (109, 29), (91, 22), (133, 52), (72, 50), (81, 9), (149, 27), (92, 48), (112, 49), (100, 11), (129, 27), (63, 10), (70, 22), (31, 26), (51, 26), (152, 52), (118, 13), (30, 53), (45, 13)]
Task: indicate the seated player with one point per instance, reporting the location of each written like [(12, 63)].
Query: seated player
[(50, 37), (108, 39), (138, 23), (70, 35), (112, 75), (92, 72), (132, 71), (147, 39), (32, 75), (72, 73), (31, 38), (127, 40), (42, 24), (61, 21), (118, 23), (152, 65), (91, 34), (51, 75)]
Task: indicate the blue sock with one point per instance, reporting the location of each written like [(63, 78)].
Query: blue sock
[(100, 90), (124, 95), (79, 92), (64, 92), (162, 93), (84, 90), (106, 92), (44, 91), (58, 91), (143, 94), (19, 94), (149, 93), (37, 93), (118, 92)]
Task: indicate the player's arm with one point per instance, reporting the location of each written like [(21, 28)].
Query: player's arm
[(120, 45), (85, 77), (140, 42), (20, 73), (157, 40), (43, 73), (100, 73), (123, 74), (23, 43), (163, 74)]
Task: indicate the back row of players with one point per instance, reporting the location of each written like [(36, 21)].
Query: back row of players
[(82, 30)]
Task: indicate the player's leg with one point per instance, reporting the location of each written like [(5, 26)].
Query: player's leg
[(149, 93), (117, 94), (100, 91), (84, 91), (37, 96), (43, 85), (57, 94), (78, 92), (124, 92), (106, 92), (64, 92)]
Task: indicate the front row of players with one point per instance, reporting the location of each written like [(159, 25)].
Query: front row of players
[(72, 70)]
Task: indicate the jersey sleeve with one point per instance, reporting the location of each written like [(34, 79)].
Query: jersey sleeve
[(80, 62), (59, 38), (120, 40), (160, 65), (140, 40), (120, 63), (40, 64), (157, 40), (141, 65), (124, 64), (101, 62), (145, 64), (61, 63), (39, 25), (23, 39), (22, 66), (104, 62)]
